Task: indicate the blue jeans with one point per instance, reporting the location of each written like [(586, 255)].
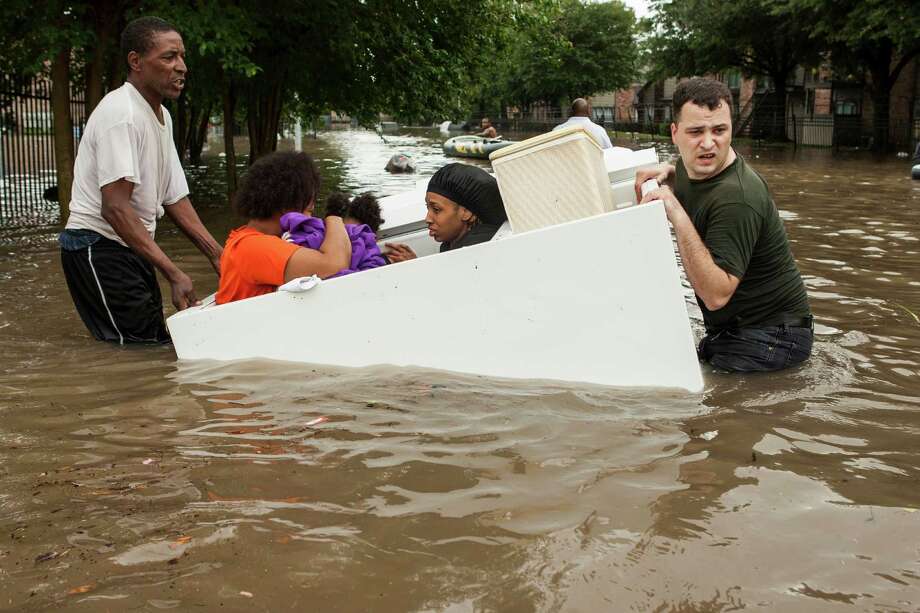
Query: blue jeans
[(757, 349)]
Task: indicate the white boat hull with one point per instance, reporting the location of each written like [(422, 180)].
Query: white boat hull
[(595, 300)]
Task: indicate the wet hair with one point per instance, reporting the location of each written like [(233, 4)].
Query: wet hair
[(701, 92), (366, 209), (280, 182), (139, 34), (337, 204)]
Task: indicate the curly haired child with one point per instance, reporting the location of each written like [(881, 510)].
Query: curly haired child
[(362, 218)]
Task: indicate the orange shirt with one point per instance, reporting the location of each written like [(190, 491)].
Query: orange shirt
[(252, 264)]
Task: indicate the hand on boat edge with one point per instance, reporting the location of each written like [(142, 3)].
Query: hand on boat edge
[(398, 252)]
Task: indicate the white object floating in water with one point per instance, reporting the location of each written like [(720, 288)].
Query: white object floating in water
[(595, 300), (317, 421), (553, 178), (708, 436)]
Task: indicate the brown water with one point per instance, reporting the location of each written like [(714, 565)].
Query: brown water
[(131, 482)]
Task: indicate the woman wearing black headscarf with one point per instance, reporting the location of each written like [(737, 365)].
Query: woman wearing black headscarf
[(464, 208)]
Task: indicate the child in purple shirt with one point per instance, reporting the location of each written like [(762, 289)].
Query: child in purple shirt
[(362, 220)]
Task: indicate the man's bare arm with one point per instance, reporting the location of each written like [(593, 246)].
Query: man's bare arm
[(185, 217), (117, 211), (714, 286)]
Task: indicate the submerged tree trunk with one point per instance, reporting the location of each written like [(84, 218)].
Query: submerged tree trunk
[(229, 150), (881, 103), (198, 134), (94, 70), (63, 128), (778, 108), (105, 22), (885, 71), (263, 118), (116, 69), (181, 127), (879, 67)]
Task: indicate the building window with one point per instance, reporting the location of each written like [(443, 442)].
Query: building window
[(733, 79), (846, 107), (602, 114)]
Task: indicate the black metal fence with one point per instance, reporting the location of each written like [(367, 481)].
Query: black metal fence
[(27, 165), (851, 132)]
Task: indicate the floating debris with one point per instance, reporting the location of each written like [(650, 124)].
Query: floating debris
[(51, 555), (908, 311)]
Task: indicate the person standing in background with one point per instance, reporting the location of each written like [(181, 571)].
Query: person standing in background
[(581, 116)]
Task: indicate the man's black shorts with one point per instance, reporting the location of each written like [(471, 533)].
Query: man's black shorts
[(114, 289)]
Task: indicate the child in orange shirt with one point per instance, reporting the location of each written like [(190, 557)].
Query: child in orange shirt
[(256, 260)]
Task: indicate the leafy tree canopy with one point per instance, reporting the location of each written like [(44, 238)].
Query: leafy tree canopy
[(691, 37), (564, 49), (878, 37)]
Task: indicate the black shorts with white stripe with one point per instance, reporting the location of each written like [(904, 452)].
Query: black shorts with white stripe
[(115, 291)]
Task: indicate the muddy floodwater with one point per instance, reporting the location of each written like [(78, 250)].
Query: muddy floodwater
[(131, 482)]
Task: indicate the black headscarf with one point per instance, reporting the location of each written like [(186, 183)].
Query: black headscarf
[(472, 188)]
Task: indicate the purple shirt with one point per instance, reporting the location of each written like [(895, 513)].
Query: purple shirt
[(310, 232)]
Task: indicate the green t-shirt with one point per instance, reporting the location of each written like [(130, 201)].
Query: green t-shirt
[(735, 216)]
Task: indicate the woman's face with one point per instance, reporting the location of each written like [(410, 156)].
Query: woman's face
[(446, 219)]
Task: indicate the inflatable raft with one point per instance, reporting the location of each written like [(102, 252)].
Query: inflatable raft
[(566, 293), (473, 146)]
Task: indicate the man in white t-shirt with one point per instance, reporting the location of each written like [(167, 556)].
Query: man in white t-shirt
[(127, 175), (581, 116)]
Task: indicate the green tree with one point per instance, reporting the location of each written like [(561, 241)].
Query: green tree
[(361, 57), (219, 39), (566, 49), (103, 21), (693, 37), (878, 36), (358, 56)]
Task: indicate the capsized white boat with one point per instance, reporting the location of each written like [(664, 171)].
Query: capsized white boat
[(595, 300)]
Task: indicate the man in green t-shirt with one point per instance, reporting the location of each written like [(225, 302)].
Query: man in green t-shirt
[(731, 240)]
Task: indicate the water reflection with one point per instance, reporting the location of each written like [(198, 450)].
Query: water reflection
[(458, 473)]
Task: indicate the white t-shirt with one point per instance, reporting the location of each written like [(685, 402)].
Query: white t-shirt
[(125, 140), (599, 133)]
